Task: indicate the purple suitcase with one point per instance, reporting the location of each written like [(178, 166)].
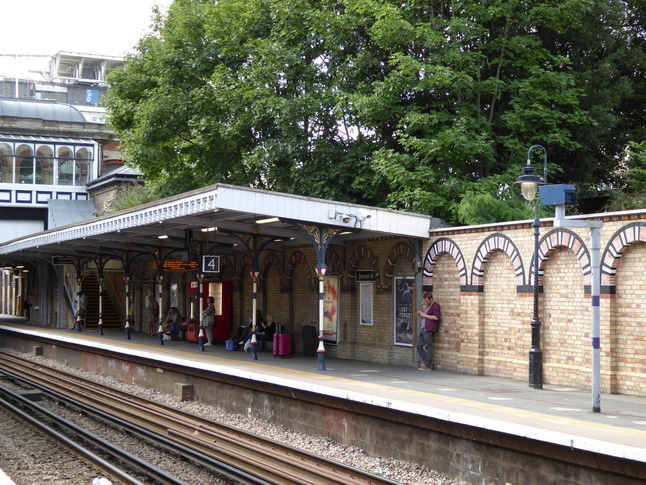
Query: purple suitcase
[(282, 345)]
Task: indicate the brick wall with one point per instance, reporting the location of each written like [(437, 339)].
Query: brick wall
[(483, 279)]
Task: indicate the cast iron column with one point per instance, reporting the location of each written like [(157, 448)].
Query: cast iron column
[(535, 353)]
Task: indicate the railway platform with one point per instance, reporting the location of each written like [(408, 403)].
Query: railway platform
[(555, 415)]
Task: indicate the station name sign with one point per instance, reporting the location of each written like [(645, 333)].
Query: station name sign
[(366, 275), (58, 260)]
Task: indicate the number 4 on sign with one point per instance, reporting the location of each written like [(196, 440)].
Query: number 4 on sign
[(210, 264)]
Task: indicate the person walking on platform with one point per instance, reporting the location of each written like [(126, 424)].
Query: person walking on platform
[(430, 324), (208, 321), (82, 310), (153, 315)]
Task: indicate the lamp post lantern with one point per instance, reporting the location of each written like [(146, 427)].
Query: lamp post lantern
[(529, 183)]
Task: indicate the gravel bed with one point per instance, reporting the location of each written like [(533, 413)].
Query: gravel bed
[(29, 457), (396, 470)]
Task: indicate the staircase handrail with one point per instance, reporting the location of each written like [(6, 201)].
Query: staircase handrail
[(115, 293), (70, 289)]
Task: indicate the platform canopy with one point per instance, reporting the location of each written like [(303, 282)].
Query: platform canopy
[(218, 216)]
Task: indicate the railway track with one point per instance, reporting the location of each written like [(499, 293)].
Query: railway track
[(247, 457), (86, 445)]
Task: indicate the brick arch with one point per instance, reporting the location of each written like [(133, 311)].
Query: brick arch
[(443, 245), (496, 242), (243, 263), (618, 243), (360, 254), (271, 259), (227, 270), (334, 262), (400, 250), (563, 238), (298, 257)]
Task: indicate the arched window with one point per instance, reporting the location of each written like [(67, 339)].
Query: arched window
[(25, 164), (6, 158), (65, 166), (84, 157), (44, 163)]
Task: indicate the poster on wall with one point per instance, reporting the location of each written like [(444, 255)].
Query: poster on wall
[(331, 308), (404, 311), (173, 300), (366, 303)]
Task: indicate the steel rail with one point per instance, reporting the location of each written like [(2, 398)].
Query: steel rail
[(173, 447), (266, 460), (37, 416)]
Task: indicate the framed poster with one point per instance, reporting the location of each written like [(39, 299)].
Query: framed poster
[(173, 297), (365, 303), (331, 308), (404, 311)]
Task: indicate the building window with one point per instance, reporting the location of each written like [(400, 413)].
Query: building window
[(54, 163), (6, 158), (45, 159), (25, 164)]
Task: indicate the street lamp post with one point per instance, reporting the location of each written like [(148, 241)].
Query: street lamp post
[(529, 183)]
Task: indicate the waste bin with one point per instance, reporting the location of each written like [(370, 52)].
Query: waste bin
[(310, 340)]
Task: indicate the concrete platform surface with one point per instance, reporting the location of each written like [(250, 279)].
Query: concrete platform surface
[(553, 414)]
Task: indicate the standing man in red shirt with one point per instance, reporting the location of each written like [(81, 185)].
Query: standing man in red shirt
[(430, 324)]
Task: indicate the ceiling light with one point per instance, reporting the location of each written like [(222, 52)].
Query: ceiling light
[(163, 236), (266, 221)]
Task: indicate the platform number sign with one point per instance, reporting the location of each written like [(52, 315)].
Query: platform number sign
[(210, 264)]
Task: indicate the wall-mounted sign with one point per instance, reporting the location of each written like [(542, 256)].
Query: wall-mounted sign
[(56, 260), (365, 276), (210, 264), (91, 96)]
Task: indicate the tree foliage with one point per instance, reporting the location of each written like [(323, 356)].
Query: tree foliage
[(425, 105)]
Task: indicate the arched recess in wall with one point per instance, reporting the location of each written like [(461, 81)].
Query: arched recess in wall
[(334, 262), (496, 242), (400, 250), (298, 257), (271, 259), (619, 242), (562, 238), (243, 264), (362, 253), (443, 245), (227, 270), (241, 274)]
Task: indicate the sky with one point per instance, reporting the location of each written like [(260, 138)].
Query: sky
[(33, 27)]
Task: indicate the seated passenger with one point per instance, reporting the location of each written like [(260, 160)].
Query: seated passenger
[(260, 323), (172, 318), (269, 328), (178, 327), (239, 334)]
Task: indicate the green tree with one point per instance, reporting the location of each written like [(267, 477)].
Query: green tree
[(425, 105), (630, 187)]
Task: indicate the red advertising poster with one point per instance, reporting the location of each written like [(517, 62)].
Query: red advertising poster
[(331, 308)]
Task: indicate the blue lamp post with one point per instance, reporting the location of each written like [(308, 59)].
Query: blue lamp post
[(529, 183)]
